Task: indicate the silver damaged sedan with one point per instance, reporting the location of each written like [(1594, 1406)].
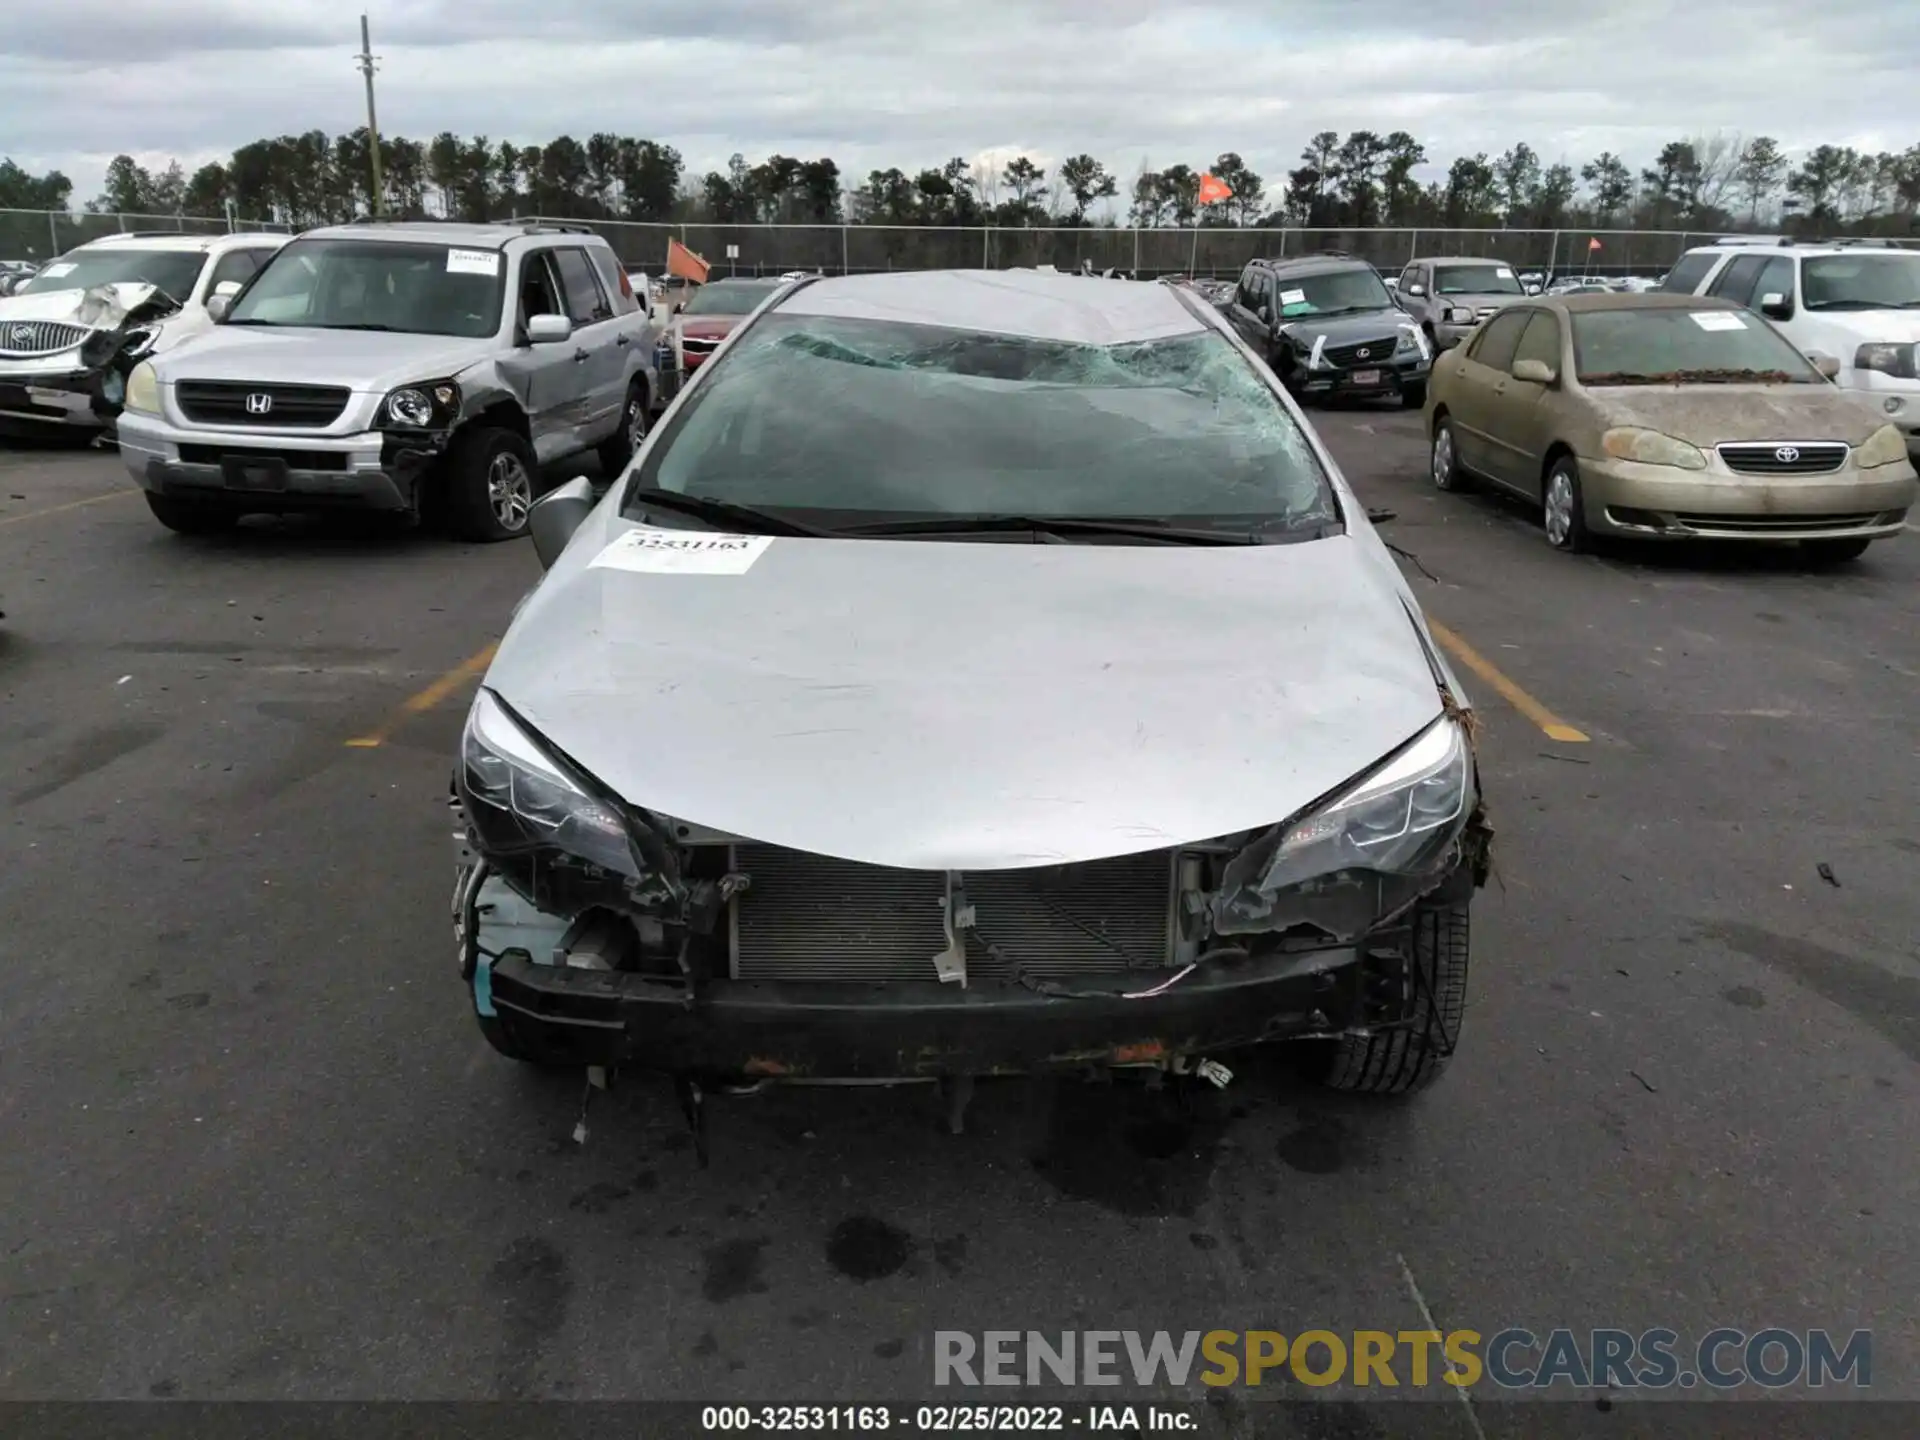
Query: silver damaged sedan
[(974, 673)]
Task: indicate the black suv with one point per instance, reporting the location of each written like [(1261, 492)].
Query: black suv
[(1328, 326)]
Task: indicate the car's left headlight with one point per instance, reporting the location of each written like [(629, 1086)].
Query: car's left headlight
[(1364, 853), (427, 405), (1886, 446), (143, 390), (1412, 339)]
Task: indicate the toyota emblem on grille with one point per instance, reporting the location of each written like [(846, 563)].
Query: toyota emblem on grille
[(1362, 353), (259, 403), (1787, 454)]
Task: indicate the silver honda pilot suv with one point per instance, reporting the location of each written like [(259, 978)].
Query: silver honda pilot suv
[(398, 368)]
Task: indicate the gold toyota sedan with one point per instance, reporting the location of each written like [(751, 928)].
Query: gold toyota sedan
[(1669, 417)]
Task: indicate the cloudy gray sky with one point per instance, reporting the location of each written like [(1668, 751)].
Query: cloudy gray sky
[(911, 82)]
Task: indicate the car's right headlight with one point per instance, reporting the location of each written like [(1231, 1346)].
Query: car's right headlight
[(1898, 358), (538, 822), (1363, 853), (143, 390), (1650, 447), (1459, 315), (1886, 446)]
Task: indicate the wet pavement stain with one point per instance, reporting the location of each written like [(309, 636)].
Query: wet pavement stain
[(864, 1247), (1317, 1146), (734, 1270), (93, 751), (890, 1349), (599, 1198), (1132, 1151), (1200, 1240), (532, 1287), (1745, 996), (1879, 998), (706, 1346)]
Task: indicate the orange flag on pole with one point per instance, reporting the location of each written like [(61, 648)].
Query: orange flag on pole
[(684, 263), (1593, 244), (1213, 190)]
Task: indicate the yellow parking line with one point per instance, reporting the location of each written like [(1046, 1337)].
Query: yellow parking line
[(70, 505), (1550, 724), (428, 699)]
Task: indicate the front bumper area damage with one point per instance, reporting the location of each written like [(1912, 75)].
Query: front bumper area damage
[(271, 471), (50, 377), (699, 954)]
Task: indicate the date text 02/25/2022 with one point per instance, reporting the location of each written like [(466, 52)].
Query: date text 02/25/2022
[(947, 1419)]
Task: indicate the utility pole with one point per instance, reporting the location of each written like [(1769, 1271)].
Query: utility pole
[(365, 60)]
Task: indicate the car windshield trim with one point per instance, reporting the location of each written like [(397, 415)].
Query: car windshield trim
[(882, 423), (1684, 345), (1509, 284)]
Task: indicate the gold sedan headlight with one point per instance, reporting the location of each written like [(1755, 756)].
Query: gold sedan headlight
[(143, 390), (1650, 447), (1886, 446)]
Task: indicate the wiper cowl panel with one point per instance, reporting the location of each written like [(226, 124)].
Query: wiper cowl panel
[(720, 513)]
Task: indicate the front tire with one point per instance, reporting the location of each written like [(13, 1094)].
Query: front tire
[(1834, 552), (1429, 986), (1563, 513), (489, 484), (191, 517), (619, 448)]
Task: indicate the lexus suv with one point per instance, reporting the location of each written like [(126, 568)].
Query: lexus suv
[(395, 368), (894, 717), (71, 331), (1328, 327)]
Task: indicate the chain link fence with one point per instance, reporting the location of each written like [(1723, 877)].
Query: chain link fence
[(1221, 252), (42, 234)]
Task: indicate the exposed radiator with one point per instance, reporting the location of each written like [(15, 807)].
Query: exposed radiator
[(807, 917)]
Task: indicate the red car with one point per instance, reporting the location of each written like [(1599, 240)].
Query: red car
[(710, 314)]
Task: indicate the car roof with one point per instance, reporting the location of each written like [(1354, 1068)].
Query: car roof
[(179, 242), (439, 232), (1633, 300), (1073, 309), (1294, 264), (1806, 248), (1462, 260)]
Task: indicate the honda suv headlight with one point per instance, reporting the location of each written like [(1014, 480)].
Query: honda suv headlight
[(550, 830), (143, 390), (1886, 446), (428, 405), (1363, 854)]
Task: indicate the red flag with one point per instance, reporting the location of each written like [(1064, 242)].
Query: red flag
[(1593, 244), (684, 263), (1213, 190)]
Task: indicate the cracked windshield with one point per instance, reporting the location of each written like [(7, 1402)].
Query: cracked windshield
[(959, 720)]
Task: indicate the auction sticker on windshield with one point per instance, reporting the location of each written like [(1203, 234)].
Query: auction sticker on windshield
[(473, 262), (54, 272), (1717, 320), (682, 552)]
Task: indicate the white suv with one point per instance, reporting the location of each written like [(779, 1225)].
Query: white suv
[(69, 335), (1855, 302)]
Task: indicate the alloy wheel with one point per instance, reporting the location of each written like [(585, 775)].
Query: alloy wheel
[(1558, 510), (509, 491)]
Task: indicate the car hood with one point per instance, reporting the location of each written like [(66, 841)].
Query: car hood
[(1347, 329), (956, 706), (102, 307), (1712, 414), (709, 327), (368, 360)]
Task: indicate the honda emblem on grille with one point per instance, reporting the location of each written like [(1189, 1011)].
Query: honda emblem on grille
[(259, 403), (1787, 454)]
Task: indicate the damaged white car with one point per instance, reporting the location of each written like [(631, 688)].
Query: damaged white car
[(975, 673), (69, 335)]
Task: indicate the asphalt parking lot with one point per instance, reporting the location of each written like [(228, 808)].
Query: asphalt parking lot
[(253, 1146)]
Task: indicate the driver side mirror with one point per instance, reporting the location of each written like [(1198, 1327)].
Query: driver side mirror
[(678, 306), (1827, 365), (1776, 306), (548, 329), (1532, 289), (1534, 372), (1265, 312), (556, 515), (220, 303), (1416, 289)]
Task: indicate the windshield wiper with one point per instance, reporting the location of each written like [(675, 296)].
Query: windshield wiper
[(369, 325), (1086, 526), (722, 512)]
